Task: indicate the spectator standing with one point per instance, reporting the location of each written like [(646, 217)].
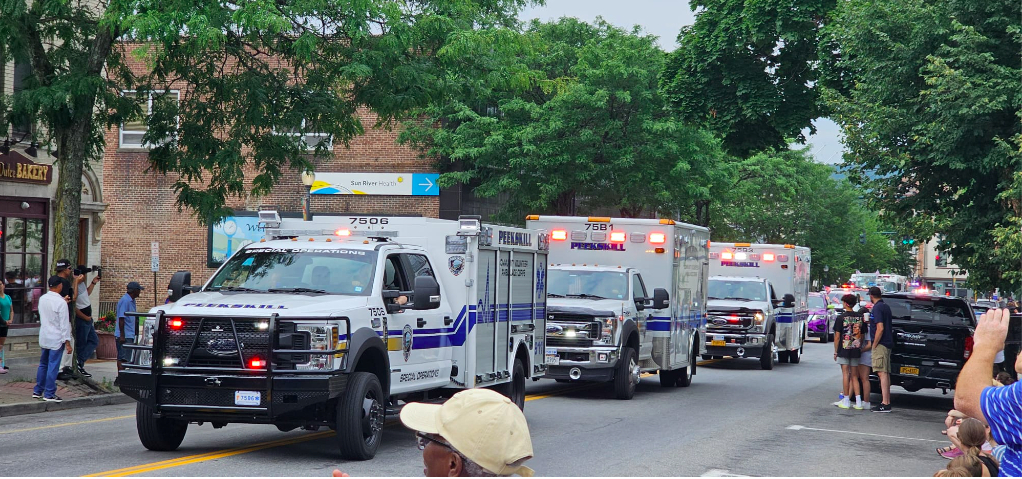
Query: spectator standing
[(5, 319), (478, 432), (54, 337), (67, 290), (848, 339), (1000, 408), (124, 326), (866, 363), (881, 329), (86, 339)]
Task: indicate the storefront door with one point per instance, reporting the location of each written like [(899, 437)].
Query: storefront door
[(23, 259)]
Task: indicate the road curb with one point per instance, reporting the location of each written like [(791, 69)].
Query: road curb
[(37, 406)]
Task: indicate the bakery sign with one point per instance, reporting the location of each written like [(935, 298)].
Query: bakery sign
[(15, 166)]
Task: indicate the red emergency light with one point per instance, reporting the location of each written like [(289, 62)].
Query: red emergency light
[(558, 235), (768, 257), (176, 323), (657, 238), (257, 363), (617, 236), (343, 232), (727, 255)]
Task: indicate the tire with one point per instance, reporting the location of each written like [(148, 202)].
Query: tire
[(626, 376), (766, 359), (795, 357), (685, 375), (668, 378), (825, 338), (360, 417), (707, 357), (515, 390), (782, 356), (158, 434)]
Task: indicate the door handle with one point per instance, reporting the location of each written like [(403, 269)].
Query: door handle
[(448, 320), (420, 322)]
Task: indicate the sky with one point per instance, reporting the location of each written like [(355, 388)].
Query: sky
[(664, 18)]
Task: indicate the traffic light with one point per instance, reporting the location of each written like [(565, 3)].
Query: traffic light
[(862, 238), (908, 241)]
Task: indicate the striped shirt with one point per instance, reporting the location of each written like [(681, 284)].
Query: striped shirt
[(1002, 408)]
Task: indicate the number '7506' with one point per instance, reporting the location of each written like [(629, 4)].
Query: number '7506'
[(369, 221)]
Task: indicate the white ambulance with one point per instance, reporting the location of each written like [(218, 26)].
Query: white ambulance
[(758, 302), (625, 296), (338, 321)]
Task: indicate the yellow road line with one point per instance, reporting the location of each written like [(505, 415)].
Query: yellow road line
[(67, 424), (181, 461)]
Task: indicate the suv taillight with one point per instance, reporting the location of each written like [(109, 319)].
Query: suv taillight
[(968, 347)]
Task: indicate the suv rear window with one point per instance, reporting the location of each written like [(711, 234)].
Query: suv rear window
[(950, 312)]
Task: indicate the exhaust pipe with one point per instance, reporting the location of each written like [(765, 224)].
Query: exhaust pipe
[(741, 352), (575, 373)]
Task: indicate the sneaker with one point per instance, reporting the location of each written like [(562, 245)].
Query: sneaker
[(840, 397), (844, 404), (867, 406), (882, 408), (858, 406), (952, 453), (4, 370), (37, 396), (63, 376), (84, 373), (52, 399)]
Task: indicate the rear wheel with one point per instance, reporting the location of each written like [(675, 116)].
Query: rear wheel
[(626, 377), (825, 337), (360, 416), (782, 356), (766, 359), (158, 434), (515, 390), (668, 378), (685, 375)]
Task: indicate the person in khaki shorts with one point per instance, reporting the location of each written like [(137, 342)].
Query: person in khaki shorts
[(882, 332)]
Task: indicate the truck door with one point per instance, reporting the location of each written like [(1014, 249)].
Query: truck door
[(642, 318), (407, 342)]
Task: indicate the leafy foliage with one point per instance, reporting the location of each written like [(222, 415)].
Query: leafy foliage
[(747, 70), (930, 97), (589, 124)]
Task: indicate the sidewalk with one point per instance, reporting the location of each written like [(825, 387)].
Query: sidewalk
[(16, 389)]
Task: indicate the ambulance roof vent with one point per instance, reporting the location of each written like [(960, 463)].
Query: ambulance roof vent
[(269, 219)]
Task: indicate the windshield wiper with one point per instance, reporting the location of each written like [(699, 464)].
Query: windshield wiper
[(296, 290), (740, 299), (712, 297), (586, 296), (236, 289), (554, 295)]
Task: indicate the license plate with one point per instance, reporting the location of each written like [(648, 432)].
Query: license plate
[(247, 398), (908, 370), (718, 342), (719, 338), (552, 357)]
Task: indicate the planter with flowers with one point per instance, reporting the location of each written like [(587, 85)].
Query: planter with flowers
[(104, 325)]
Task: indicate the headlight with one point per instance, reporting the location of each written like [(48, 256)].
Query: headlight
[(145, 358), (758, 321), (322, 338), (607, 326)]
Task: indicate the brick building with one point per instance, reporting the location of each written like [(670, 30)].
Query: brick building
[(28, 184)]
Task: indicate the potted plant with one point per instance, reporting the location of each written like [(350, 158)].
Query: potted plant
[(104, 325)]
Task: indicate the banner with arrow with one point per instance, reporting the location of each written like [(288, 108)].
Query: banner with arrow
[(394, 184)]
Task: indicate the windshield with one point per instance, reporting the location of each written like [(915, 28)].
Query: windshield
[(276, 270), (587, 284), (817, 302), (737, 290)]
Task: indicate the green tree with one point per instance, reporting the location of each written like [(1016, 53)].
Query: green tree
[(748, 71), (589, 125), (930, 97)]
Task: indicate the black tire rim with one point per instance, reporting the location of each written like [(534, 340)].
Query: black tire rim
[(518, 390), (372, 418)]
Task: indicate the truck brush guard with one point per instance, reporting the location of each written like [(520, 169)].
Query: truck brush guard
[(232, 364)]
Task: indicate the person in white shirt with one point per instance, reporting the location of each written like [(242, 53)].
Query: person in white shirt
[(54, 339)]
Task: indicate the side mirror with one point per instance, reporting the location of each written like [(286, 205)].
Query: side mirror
[(427, 293), (789, 301), (640, 304), (180, 285), (661, 300)]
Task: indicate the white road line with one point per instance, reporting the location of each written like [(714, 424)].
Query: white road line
[(720, 473), (804, 428)]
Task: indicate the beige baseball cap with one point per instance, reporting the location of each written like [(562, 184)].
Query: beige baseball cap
[(483, 425)]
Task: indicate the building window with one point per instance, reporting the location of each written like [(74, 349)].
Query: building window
[(21, 126), (133, 130), (309, 140), (23, 261)]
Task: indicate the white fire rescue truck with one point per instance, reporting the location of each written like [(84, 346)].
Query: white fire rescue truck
[(758, 302), (338, 321), (602, 323)]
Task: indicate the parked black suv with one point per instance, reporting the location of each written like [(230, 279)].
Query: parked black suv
[(932, 340)]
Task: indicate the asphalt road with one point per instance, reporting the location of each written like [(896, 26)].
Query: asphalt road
[(734, 419)]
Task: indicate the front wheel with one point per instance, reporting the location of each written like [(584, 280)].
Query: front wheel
[(766, 359), (158, 434), (360, 416), (626, 378)]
